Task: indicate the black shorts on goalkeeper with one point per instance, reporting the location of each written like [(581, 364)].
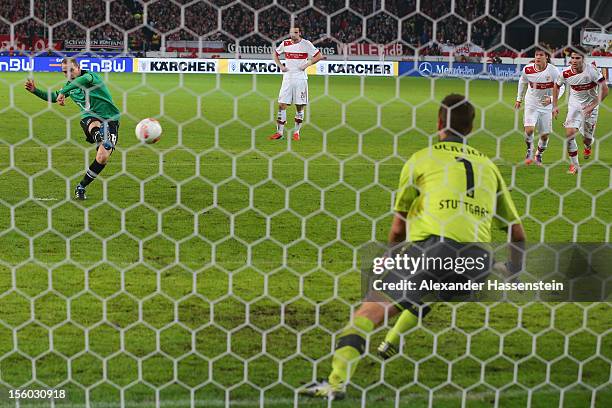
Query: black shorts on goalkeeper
[(443, 261)]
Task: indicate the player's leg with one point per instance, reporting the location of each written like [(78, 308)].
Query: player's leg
[(530, 119), (544, 129), (588, 133), (572, 150), (284, 99), (391, 344), (529, 131), (411, 303), (573, 122), (588, 142), (542, 146), (105, 136), (281, 120), (301, 100), (299, 118), (350, 346)]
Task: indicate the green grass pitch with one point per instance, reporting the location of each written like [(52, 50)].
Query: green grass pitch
[(216, 265)]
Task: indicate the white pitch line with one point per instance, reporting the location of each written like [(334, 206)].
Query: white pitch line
[(45, 199), (290, 402)]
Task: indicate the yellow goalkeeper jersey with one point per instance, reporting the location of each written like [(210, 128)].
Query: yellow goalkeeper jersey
[(452, 190)]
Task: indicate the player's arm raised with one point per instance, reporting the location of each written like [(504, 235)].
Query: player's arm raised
[(30, 86), (82, 82)]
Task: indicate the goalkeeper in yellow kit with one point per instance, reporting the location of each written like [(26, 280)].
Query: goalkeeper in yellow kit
[(449, 195), (99, 115)]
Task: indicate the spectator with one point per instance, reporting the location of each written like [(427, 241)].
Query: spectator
[(201, 20)]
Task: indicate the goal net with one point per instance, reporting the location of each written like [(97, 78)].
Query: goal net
[(218, 267)]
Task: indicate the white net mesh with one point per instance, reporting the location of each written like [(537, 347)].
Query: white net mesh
[(217, 267)]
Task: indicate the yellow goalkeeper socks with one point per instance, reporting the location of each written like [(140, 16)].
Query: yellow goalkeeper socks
[(351, 345), (405, 322)]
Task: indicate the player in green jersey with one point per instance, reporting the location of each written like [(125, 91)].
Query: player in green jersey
[(449, 195), (99, 115)]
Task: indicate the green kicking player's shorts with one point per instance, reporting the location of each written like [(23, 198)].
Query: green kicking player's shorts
[(112, 130)]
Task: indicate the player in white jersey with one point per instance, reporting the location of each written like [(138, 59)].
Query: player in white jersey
[(538, 78), (587, 89), (299, 55)]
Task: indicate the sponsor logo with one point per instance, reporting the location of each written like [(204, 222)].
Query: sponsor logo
[(180, 66), (266, 49), (584, 87), (355, 68), (93, 43), (103, 65), (425, 69), (541, 85), (491, 71), (258, 67), (496, 72), (456, 71), (16, 64), (296, 55), (371, 49)]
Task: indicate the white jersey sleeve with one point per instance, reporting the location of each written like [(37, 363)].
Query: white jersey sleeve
[(561, 80), (561, 83), (312, 50), (561, 91), (522, 86), (281, 48), (596, 75), (556, 75)]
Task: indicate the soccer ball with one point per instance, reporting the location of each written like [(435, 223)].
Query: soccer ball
[(148, 130)]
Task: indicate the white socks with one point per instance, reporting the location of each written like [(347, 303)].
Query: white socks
[(572, 151), (281, 119), (542, 145), (299, 118), (529, 143)]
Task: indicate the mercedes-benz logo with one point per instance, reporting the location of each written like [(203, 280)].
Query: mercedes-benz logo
[(425, 69), (491, 70)]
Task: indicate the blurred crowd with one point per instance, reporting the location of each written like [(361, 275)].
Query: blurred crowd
[(328, 22)]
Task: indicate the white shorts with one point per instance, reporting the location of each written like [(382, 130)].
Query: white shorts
[(575, 119), (294, 91), (541, 119)]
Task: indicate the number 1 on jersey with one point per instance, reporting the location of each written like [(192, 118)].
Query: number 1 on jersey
[(469, 176)]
